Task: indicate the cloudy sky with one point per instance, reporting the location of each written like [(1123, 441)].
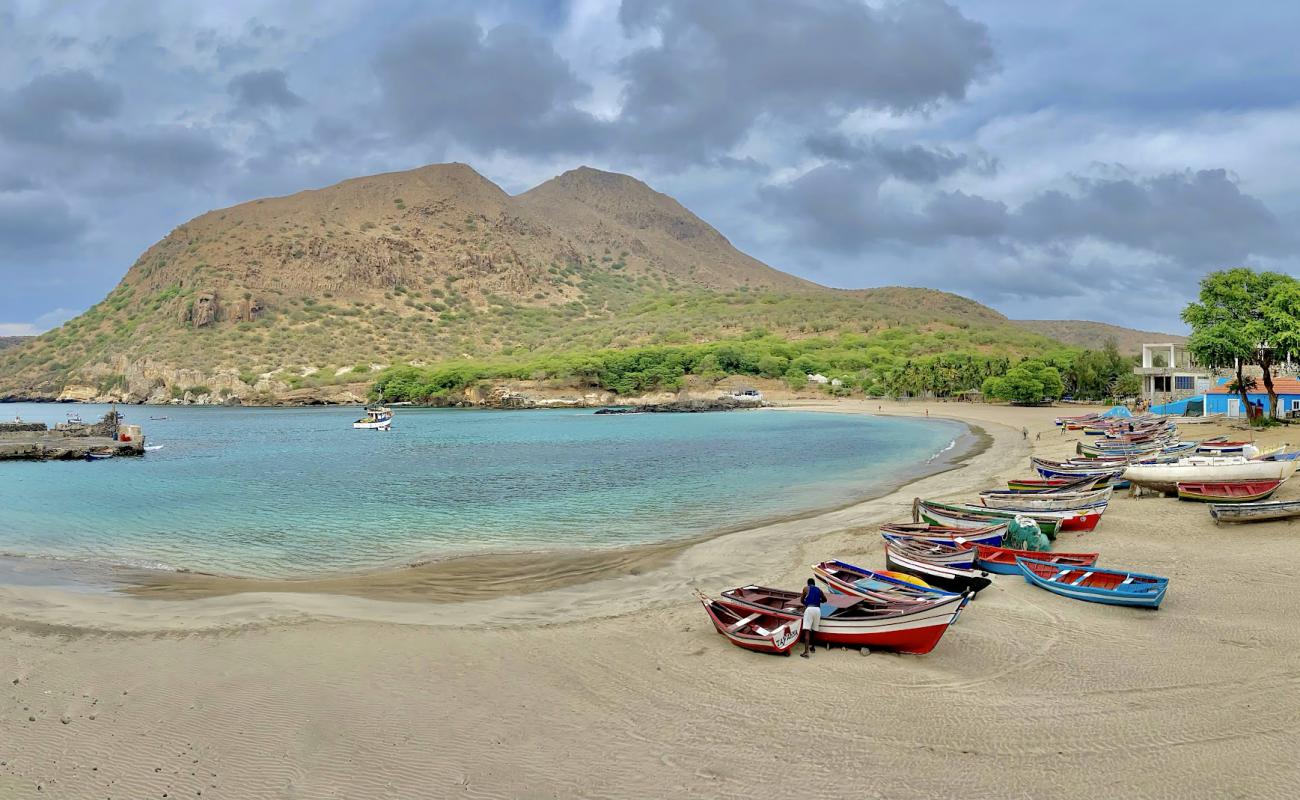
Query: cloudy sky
[(1077, 160)]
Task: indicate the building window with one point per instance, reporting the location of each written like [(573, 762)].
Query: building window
[(1184, 382), (1160, 383)]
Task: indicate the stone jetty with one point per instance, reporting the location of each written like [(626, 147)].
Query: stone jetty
[(35, 441)]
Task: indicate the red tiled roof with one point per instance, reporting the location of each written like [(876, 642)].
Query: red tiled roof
[(1280, 385)]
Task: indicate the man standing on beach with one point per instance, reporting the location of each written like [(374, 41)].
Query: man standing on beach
[(812, 598)]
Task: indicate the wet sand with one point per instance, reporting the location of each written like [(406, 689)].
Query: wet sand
[(618, 687)]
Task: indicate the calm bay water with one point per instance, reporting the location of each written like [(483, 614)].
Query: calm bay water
[(279, 492)]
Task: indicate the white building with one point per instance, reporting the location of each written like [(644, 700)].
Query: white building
[(1169, 373), (818, 378)]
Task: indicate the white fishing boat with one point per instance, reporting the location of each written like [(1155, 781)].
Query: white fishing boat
[(1265, 511), (377, 418), (1208, 469), (1056, 501)]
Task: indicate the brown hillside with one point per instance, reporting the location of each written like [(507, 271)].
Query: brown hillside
[(273, 298), (1094, 335)]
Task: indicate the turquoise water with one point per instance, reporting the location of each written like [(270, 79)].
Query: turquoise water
[(280, 492)]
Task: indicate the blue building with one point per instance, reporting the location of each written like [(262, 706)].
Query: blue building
[(1219, 400)]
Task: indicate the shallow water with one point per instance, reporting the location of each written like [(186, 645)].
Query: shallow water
[(286, 492)]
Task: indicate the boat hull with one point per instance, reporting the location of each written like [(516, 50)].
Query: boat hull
[(1242, 492), (951, 579), (775, 641), (1002, 560), (1065, 586), (1269, 511), (992, 533), (1166, 477), (916, 629)]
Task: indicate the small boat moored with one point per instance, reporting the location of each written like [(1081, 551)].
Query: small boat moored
[(377, 418), (1096, 585), (100, 454)]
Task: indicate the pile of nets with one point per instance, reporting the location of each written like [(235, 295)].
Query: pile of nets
[(1024, 534)]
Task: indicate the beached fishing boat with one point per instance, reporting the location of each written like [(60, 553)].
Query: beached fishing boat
[(959, 514), (1002, 560), (844, 579), (762, 632), (100, 454), (1096, 585), (1227, 492), (377, 418), (1223, 448), (929, 564), (1054, 501), (906, 628), (1031, 485), (1166, 477), (1267, 511), (989, 533), (1101, 471), (949, 554)]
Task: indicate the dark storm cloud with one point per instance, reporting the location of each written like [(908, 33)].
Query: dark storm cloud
[(505, 88), (914, 163), (715, 72), (1196, 219), (263, 88), (720, 67), (1199, 217), (44, 107)]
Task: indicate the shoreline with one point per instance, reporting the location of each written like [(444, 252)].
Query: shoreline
[(506, 579), (302, 695)]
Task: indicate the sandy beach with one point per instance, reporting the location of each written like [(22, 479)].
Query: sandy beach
[(619, 687)]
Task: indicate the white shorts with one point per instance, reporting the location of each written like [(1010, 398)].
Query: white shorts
[(812, 618)]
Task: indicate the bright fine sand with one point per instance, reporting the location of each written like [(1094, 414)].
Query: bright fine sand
[(619, 687)]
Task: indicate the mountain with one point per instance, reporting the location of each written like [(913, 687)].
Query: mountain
[(302, 297), (1094, 335), (12, 341)]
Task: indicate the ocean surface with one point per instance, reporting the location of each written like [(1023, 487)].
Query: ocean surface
[(289, 492)]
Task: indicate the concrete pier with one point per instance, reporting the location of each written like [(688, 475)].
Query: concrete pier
[(69, 440), (50, 445)]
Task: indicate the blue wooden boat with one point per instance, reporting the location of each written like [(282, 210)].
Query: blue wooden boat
[(1096, 585)]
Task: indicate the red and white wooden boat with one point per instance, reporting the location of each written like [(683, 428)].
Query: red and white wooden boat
[(1002, 560), (1227, 491), (760, 631), (907, 628)]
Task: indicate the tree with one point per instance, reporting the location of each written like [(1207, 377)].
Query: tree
[(1223, 321), (1127, 385), (1281, 321), (1030, 381)]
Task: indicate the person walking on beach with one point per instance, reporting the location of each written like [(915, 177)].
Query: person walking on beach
[(812, 599)]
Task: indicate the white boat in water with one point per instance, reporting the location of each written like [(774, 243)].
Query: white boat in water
[(377, 418), (1212, 469)]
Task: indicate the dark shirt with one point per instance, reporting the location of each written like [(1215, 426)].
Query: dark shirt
[(813, 596)]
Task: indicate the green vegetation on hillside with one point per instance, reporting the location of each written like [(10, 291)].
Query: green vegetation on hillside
[(894, 362)]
